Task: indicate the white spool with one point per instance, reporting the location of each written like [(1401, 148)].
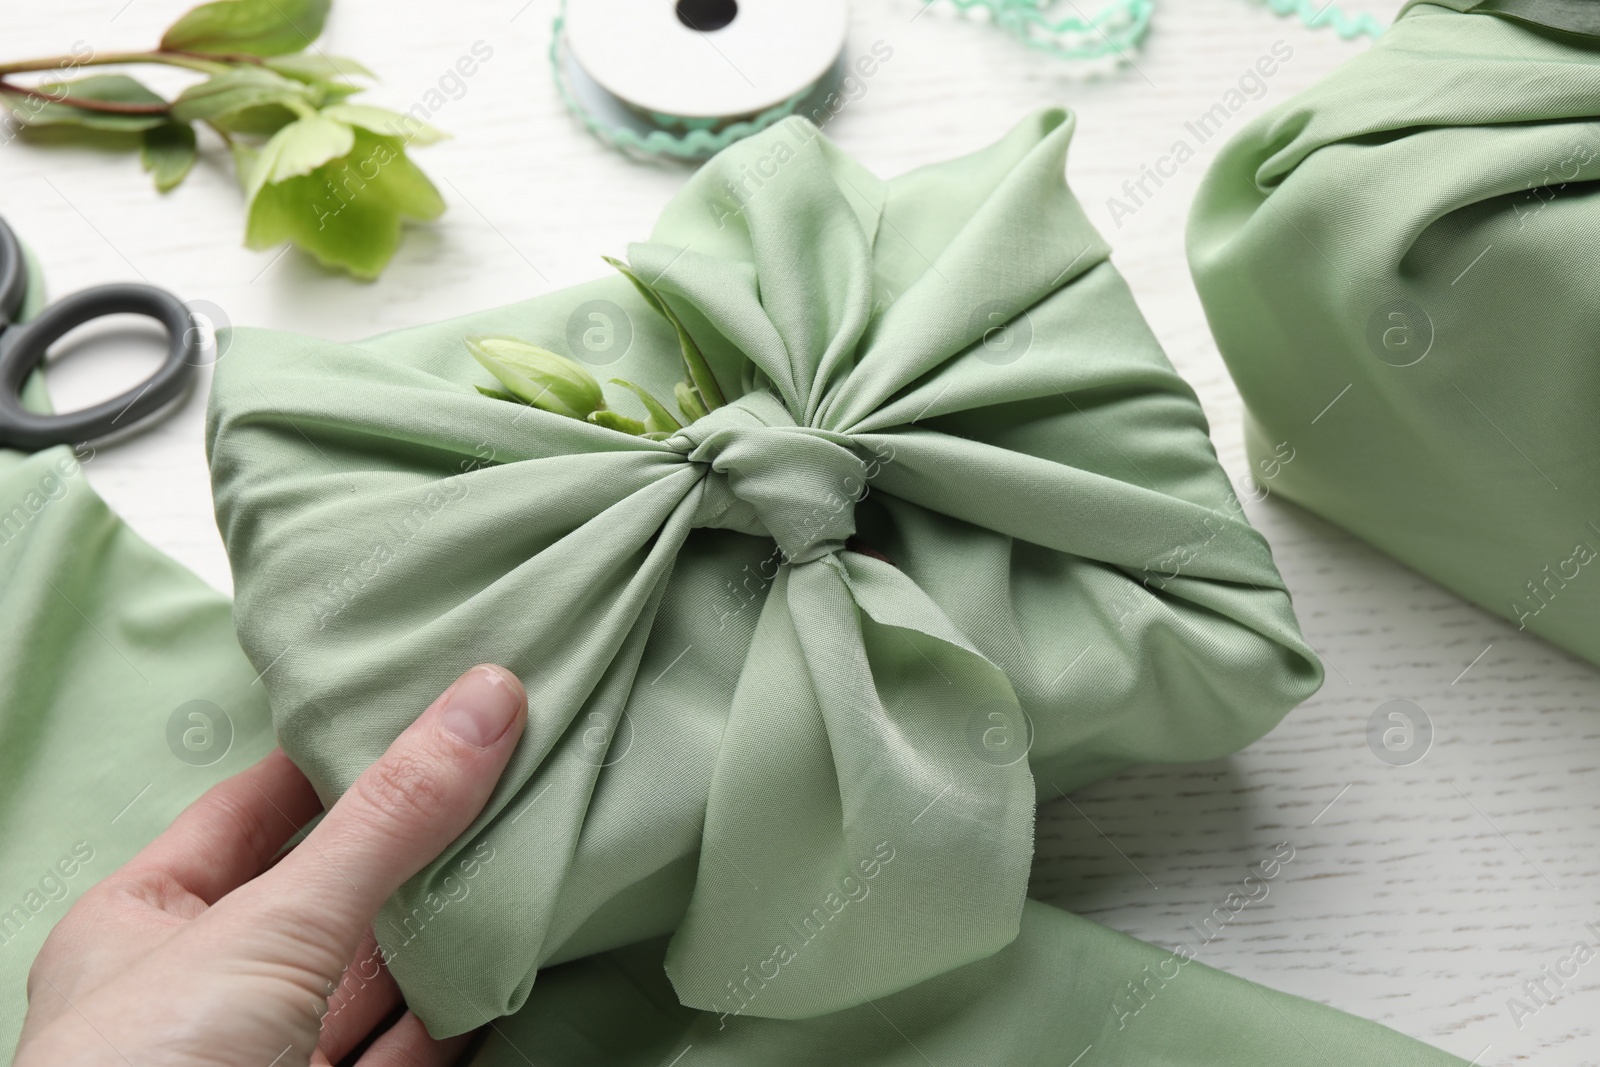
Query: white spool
[(644, 67)]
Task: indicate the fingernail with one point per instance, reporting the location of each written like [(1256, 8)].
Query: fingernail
[(481, 707)]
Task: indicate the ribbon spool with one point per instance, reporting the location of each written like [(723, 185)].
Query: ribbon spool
[(684, 80)]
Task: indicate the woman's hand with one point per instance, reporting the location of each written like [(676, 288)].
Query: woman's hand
[(196, 953)]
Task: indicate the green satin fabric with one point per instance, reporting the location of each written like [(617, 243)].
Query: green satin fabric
[(105, 641), (1398, 269), (785, 766)]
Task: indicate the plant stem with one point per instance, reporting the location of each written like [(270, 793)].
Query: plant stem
[(213, 58), (110, 107), (63, 64), (204, 64)]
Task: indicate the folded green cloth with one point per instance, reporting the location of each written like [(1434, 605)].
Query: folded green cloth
[(814, 767), (1399, 270), (123, 696), (1066, 993)]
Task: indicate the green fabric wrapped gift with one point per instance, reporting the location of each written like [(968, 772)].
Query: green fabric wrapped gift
[(1399, 268), (799, 669)]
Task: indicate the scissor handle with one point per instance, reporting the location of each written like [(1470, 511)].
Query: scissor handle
[(13, 276), (22, 348)]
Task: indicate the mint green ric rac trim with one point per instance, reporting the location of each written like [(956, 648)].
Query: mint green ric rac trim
[(1319, 13), (696, 142), (1117, 28)]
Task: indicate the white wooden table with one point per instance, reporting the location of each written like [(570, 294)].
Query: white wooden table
[(1421, 896)]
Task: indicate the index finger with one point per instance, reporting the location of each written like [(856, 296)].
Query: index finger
[(233, 831)]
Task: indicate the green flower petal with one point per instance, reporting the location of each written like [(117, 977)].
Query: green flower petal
[(300, 148), (540, 377), (347, 211), (659, 419), (381, 120), (688, 402)]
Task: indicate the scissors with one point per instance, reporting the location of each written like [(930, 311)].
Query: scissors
[(23, 347)]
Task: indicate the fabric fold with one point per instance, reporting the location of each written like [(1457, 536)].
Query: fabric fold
[(1390, 264), (852, 875), (1066, 989)]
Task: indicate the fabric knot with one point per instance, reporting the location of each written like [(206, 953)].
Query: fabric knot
[(769, 477)]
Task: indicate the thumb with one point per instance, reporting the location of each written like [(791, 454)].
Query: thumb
[(401, 812)]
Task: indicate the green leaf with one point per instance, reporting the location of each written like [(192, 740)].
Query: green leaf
[(99, 88), (323, 75), (245, 160), (326, 94), (658, 419), (540, 377), (319, 67), (263, 121), (346, 212), (689, 402), (235, 90), (168, 152), (694, 361), (496, 394), (248, 27), (298, 149), (383, 121), (611, 420), (651, 297)]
